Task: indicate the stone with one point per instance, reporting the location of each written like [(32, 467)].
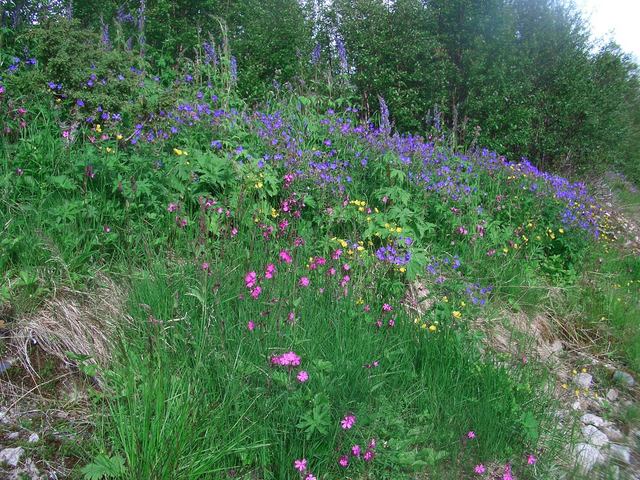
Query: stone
[(11, 456), (583, 380), (13, 435), (612, 394), (613, 433), (588, 456), (33, 438), (576, 405), (624, 378), (593, 436), (591, 419), (621, 453)]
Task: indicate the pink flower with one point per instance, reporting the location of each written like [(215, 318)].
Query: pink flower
[(479, 469), (106, 229), (507, 473), (386, 307), (300, 465), (331, 271), (471, 435), (355, 451), (250, 279), (304, 282), (285, 256), (392, 322), (234, 231), (255, 293), (372, 443), (270, 271), (289, 359), (298, 242), (302, 376), (343, 461), (531, 459), (311, 476), (348, 422), (346, 267), (336, 255), (291, 318), (251, 326), (181, 222), (367, 308), (172, 207), (344, 281), (368, 456), (205, 266), (65, 133)]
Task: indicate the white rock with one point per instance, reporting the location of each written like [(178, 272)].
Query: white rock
[(576, 405), (13, 435), (612, 395), (613, 433), (591, 419), (11, 456), (583, 380), (621, 453), (588, 456), (594, 436), (4, 416), (33, 438)]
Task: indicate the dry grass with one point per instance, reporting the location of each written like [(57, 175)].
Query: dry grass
[(71, 321)]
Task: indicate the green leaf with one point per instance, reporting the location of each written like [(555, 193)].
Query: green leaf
[(103, 467)]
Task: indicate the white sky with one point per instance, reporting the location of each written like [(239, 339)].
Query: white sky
[(615, 19)]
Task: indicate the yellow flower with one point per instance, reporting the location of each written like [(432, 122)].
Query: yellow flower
[(360, 301), (109, 149), (258, 185), (118, 137), (402, 269), (177, 151), (561, 230), (584, 370), (423, 326), (445, 299), (505, 250), (98, 128), (274, 212), (433, 328), (456, 314), (398, 230)]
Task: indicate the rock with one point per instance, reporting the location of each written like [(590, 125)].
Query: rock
[(576, 405), (612, 395), (591, 419), (13, 435), (11, 456), (613, 434), (624, 378), (621, 453), (583, 380), (588, 456), (4, 417), (593, 436), (33, 438), (30, 472)]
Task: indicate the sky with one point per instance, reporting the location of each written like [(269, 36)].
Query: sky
[(615, 19)]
